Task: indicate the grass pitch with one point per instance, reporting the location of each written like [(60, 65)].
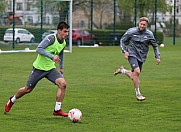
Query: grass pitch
[(107, 102)]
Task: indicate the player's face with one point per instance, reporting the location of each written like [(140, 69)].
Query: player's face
[(142, 25), (63, 33)]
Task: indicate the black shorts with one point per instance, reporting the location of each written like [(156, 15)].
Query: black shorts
[(134, 63), (36, 75)]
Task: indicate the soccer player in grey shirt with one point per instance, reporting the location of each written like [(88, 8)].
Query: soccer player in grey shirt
[(138, 39)]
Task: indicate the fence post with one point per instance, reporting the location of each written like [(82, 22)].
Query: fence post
[(114, 28), (13, 23), (174, 24), (155, 19), (135, 12), (92, 1), (41, 16)]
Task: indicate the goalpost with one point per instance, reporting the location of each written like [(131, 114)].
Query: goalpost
[(69, 19), (70, 23)]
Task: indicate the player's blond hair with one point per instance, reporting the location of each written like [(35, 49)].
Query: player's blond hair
[(144, 19)]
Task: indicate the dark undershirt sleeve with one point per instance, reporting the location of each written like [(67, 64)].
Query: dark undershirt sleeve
[(49, 40)]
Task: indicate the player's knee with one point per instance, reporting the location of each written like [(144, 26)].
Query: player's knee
[(137, 72), (61, 83)]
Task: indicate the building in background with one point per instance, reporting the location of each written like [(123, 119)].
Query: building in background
[(169, 15), (24, 9), (27, 12)]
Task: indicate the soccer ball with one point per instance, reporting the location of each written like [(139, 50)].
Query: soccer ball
[(162, 45), (75, 115)]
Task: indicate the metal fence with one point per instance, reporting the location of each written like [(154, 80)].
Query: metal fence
[(110, 15), (31, 21)]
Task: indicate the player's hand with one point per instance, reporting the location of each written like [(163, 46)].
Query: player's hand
[(56, 59), (62, 71), (126, 54), (157, 61)]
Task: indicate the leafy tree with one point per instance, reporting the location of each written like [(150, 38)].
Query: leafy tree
[(100, 7), (126, 7), (84, 5), (2, 9), (2, 6), (54, 7), (125, 10)]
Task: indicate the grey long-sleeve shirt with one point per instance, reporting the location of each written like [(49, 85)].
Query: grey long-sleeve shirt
[(138, 43), (49, 40)]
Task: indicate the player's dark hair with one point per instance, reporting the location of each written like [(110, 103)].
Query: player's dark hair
[(62, 25)]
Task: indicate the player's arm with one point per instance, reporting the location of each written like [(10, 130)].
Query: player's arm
[(45, 43), (123, 41), (155, 48)]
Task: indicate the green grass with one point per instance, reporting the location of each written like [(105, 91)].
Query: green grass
[(107, 102)]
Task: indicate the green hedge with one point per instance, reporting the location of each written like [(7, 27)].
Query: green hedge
[(2, 31), (104, 37), (108, 37), (159, 37)]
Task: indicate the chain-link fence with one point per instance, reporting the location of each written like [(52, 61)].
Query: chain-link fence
[(31, 21), (114, 17), (102, 21)]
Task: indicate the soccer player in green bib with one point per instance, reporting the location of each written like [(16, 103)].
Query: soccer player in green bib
[(50, 51)]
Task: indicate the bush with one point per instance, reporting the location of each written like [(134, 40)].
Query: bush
[(2, 31), (159, 37), (104, 37), (109, 38)]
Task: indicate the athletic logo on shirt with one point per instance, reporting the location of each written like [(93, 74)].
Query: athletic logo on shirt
[(48, 39)]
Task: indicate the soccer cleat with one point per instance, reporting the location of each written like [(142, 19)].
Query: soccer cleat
[(140, 97), (8, 105), (118, 71), (60, 113)]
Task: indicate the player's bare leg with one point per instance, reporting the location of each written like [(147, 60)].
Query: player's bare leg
[(22, 91), (61, 83), (135, 77)]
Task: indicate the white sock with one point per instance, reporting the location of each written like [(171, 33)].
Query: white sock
[(13, 99), (137, 90), (123, 70), (58, 106)]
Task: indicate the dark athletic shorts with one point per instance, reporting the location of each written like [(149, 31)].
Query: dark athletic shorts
[(36, 75), (134, 63)]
